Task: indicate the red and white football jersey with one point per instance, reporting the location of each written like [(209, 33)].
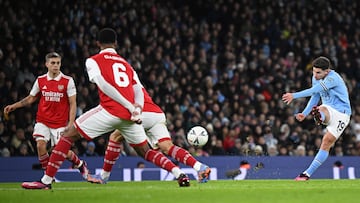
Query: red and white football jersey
[(54, 93), (119, 74), (149, 105)]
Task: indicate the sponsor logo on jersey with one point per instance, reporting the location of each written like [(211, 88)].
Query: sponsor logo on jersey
[(52, 96)]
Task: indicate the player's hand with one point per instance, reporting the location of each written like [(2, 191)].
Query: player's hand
[(67, 128), (287, 98), (300, 116), (136, 115), (136, 118), (8, 109)]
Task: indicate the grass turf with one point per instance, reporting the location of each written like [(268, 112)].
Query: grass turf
[(247, 191)]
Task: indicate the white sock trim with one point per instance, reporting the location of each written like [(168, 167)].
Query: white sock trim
[(176, 171), (46, 179), (104, 175), (197, 166)]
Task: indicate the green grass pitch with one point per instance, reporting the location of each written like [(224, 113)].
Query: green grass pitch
[(244, 191)]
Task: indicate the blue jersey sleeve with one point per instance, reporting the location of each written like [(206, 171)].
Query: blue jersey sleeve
[(331, 90), (314, 100), (317, 86), (308, 92)]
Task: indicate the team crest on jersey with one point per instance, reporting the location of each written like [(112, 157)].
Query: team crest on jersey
[(60, 87)]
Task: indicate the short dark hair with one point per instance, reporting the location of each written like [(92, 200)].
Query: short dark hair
[(52, 55), (322, 62), (107, 36)]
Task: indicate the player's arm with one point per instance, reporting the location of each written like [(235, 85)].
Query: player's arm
[(104, 86), (110, 91), (26, 101), (72, 112), (31, 98), (316, 88), (71, 92), (308, 92), (139, 104), (138, 98), (323, 85), (313, 101), (138, 90)]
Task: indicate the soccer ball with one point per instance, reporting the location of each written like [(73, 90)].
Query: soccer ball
[(197, 136)]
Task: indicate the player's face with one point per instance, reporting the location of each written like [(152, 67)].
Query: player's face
[(53, 65), (320, 73)]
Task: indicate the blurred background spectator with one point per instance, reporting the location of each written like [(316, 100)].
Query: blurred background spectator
[(90, 149)]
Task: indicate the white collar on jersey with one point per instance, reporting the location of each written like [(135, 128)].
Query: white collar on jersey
[(112, 50), (57, 78)]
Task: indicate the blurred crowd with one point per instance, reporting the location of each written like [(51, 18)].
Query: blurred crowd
[(222, 64)]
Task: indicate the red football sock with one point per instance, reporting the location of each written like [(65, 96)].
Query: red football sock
[(73, 158), (182, 155), (58, 156), (44, 159), (159, 159), (112, 153)]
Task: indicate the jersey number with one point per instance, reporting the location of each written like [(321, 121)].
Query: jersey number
[(120, 77), (341, 126)]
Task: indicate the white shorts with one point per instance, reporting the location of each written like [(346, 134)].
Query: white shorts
[(97, 121), (155, 127), (337, 123), (43, 132)]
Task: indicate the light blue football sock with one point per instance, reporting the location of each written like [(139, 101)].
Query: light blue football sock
[(320, 157)]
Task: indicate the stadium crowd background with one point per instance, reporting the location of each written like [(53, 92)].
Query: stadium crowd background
[(220, 64)]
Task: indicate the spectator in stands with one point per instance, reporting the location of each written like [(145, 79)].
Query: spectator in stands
[(300, 151), (272, 150), (22, 146), (91, 149), (140, 164), (283, 151)]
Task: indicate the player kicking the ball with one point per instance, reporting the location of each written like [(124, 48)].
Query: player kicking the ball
[(334, 112), (154, 122), (121, 102)]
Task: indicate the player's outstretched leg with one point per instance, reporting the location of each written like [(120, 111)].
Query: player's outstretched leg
[(186, 158), (320, 158), (56, 159)]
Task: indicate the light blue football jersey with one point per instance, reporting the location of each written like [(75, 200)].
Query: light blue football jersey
[(332, 90)]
